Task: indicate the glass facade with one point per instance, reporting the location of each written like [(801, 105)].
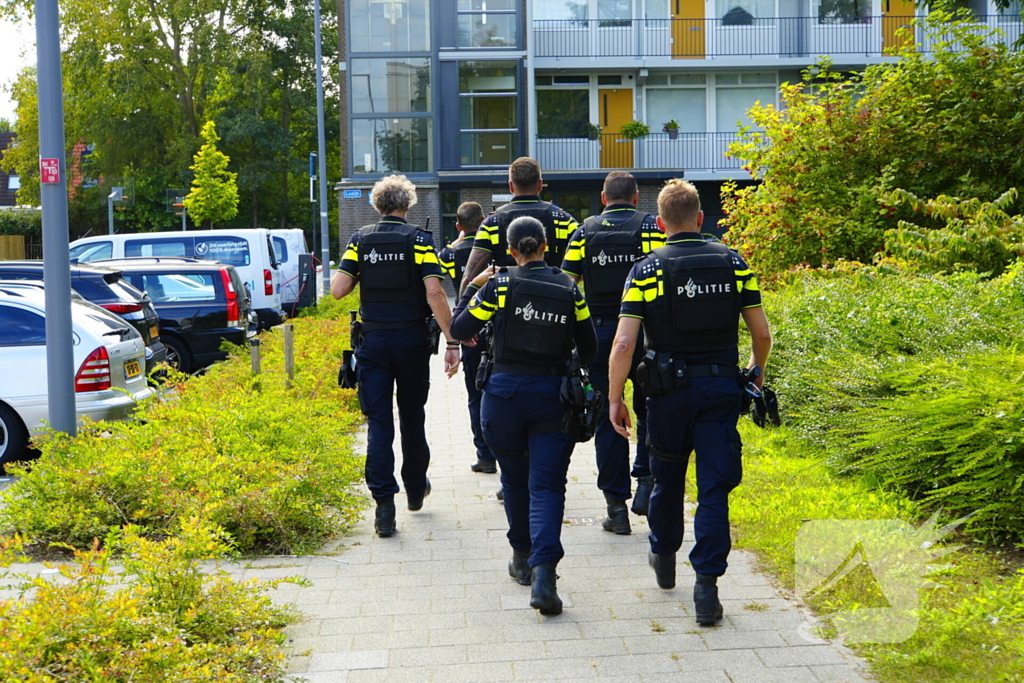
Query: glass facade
[(389, 25), (392, 145), (488, 112), (563, 113), (487, 29), (391, 85)]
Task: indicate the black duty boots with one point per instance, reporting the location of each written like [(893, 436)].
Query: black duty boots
[(642, 497), (664, 567), (416, 501), (705, 600), (384, 523), (519, 568), (484, 467), (544, 597), (618, 516)]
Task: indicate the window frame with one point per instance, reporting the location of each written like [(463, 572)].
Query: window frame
[(516, 93), (516, 25)]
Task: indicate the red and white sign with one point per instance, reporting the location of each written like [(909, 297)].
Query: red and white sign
[(49, 171)]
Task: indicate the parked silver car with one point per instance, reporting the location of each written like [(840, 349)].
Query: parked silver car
[(109, 358)]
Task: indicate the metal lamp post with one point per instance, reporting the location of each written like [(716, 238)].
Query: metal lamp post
[(321, 144), (53, 190)]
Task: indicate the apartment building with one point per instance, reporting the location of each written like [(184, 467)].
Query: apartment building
[(450, 91)]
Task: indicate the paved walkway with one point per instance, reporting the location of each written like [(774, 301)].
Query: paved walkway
[(435, 602)]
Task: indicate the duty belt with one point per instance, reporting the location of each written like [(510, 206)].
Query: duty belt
[(531, 370), (372, 325)]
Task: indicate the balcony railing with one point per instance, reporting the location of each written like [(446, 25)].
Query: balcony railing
[(743, 36), (693, 152)]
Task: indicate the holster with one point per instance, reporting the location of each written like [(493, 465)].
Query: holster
[(483, 372), (355, 331), (433, 335), (347, 377), (658, 373), (586, 404)]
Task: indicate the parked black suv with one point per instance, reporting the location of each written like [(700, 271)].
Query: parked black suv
[(105, 287), (200, 304)]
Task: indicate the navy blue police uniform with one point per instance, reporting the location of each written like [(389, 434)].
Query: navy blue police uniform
[(601, 253), (453, 261), (558, 225), (539, 316), (391, 260), (690, 295)]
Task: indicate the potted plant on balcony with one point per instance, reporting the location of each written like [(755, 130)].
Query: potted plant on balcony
[(634, 130), (591, 131), (672, 128)]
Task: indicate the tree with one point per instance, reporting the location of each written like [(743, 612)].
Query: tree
[(830, 158), (214, 194)]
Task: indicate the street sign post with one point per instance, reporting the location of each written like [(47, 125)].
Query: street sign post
[(53, 191)]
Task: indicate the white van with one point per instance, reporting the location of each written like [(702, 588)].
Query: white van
[(250, 251), (288, 244)]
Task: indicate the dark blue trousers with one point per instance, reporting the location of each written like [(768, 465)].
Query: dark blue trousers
[(613, 449), (470, 364), (700, 418), (521, 419), (386, 359)]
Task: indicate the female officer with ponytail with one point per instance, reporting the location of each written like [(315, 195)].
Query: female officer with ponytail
[(539, 317)]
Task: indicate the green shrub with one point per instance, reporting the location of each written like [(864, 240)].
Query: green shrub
[(273, 467), (21, 222), (947, 122), (157, 618), (908, 363)]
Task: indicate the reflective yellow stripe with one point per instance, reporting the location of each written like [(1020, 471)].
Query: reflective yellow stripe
[(428, 257), (481, 314), (629, 315), (582, 313), (632, 294), (351, 254), (751, 285)]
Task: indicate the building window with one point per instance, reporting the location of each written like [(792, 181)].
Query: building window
[(488, 113), (13, 182), (563, 113), (568, 10), (843, 11), (392, 145), (389, 25), (735, 94), (678, 97), (390, 85), (449, 217), (744, 12), (488, 23), (614, 12)]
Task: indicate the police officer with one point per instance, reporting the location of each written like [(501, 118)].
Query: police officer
[(399, 279), (539, 316), (491, 245), (689, 296), (601, 254), (453, 260)]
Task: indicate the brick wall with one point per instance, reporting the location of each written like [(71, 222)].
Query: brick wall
[(355, 213)]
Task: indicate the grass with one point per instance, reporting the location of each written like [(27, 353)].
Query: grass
[(971, 628)]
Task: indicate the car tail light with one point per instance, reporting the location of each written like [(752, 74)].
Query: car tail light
[(268, 283), (94, 375), (121, 309), (234, 314)]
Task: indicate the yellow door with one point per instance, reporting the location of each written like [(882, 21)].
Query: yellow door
[(688, 29), (616, 109), (896, 14)]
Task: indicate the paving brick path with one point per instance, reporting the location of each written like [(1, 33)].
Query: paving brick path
[(435, 602)]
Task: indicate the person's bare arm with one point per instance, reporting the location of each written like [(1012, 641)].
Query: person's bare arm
[(438, 302), (342, 284), (619, 363), (478, 259), (760, 338)]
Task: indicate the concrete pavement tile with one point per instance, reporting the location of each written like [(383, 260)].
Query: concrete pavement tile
[(353, 625), (654, 663), (837, 673), (474, 673), (531, 630), (426, 622), (810, 655), (521, 600), (741, 640), (621, 628), (339, 643), (572, 668), (672, 643), (466, 636), (797, 674), (418, 674), (337, 661), (590, 647), (720, 660), (391, 640), (506, 652), (687, 677), (430, 656), (322, 677)]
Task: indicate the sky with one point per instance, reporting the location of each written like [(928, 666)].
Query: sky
[(17, 50)]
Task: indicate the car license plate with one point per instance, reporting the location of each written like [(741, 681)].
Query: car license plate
[(132, 369), (154, 332)]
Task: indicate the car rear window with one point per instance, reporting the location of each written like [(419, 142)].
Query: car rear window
[(21, 327), (233, 251), (92, 251), (180, 287), (280, 250)]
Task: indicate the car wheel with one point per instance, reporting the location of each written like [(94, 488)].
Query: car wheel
[(178, 356), (13, 436)]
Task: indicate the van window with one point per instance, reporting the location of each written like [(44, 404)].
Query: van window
[(176, 287), (93, 251), (280, 250), (231, 250)]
